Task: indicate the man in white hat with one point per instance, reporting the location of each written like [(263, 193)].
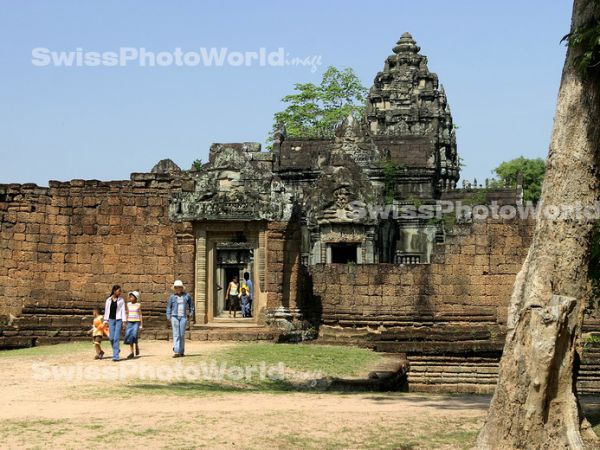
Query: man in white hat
[(180, 307)]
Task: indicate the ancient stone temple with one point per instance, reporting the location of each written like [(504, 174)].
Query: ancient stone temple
[(403, 151), (409, 117), (327, 229)]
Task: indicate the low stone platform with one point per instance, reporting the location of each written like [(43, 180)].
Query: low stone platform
[(35, 329), (255, 333)]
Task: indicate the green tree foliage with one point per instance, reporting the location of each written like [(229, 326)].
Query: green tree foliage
[(389, 181), (197, 165), (587, 39), (532, 171), (314, 111)]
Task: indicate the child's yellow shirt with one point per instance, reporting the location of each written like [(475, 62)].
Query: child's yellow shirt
[(99, 328)]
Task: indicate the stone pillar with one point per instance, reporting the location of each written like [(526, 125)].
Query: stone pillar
[(201, 269), (369, 247), (305, 246), (260, 262), (316, 256)]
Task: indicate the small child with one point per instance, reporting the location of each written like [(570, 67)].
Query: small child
[(134, 323), (99, 330), (245, 300)]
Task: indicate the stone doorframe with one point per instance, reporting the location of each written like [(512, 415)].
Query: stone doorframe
[(207, 236)]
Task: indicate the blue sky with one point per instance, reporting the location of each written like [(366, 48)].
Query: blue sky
[(500, 63)]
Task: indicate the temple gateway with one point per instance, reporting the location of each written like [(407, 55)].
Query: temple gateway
[(299, 218)]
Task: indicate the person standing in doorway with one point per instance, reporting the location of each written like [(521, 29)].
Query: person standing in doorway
[(233, 295), (244, 300), (180, 307), (250, 287), (116, 317)]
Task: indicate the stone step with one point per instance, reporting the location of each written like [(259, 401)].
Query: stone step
[(460, 374), (229, 323), (458, 388), (234, 334), (440, 347)]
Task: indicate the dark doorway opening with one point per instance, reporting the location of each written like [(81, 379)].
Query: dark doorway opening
[(343, 253)]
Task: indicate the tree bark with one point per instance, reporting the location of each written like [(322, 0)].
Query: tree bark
[(535, 403)]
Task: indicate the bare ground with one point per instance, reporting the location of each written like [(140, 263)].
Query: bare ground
[(85, 412)]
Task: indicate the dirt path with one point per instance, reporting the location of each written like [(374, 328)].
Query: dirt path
[(50, 413)]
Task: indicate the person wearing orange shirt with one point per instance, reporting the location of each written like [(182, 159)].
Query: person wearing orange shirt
[(99, 330)]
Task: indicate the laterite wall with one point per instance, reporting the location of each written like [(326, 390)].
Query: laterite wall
[(447, 317), (63, 247)]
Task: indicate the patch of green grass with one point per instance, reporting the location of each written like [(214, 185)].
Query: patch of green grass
[(460, 439), (59, 432), (94, 426), (328, 360), (438, 435), (300, 365), (201, 388), (382, 439), (289, 360), (272, 368), (49, 350), (24, 428)]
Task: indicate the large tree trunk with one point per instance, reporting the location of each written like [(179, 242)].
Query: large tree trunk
[(535, 403)]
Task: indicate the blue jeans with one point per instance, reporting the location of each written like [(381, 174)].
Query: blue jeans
[(178, 325), (114, 330), (132, 333), (245, 306)]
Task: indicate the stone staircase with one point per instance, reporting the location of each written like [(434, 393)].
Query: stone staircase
[(588, 381), (472, 374), (456, 374), (454, 359), (229, 329)]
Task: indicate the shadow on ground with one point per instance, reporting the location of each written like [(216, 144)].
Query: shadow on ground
[(441, 401), (275, 386)]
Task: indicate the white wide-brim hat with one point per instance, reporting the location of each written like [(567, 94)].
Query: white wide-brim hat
[(178, 283), (136, 294)]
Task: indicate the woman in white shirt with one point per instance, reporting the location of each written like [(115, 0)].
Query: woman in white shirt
[(233, 295), (116, 317)]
